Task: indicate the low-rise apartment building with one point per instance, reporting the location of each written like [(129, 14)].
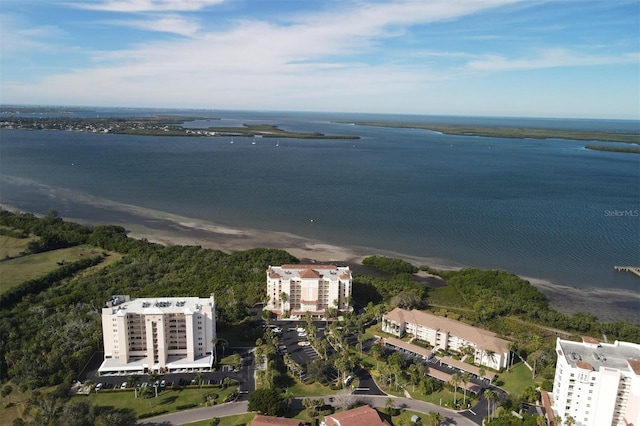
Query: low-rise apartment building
[(444, 333), (297, 289), (597, 383), (158, 334)]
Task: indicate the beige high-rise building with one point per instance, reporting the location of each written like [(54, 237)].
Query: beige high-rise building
[(297, 289), (158, 334)]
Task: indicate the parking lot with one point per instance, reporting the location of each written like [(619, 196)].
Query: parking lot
[(294, 340), (244, 376)]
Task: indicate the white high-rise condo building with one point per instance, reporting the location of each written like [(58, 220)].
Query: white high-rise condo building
[(158, 334), (597, 384), (297, 289)]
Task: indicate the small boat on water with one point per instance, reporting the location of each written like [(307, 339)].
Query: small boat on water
[(277, 143), (231, 141)]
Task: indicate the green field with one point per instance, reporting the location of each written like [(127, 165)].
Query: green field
[(12, 247), (516, 380), (25, 268), (237, 420), (166, 402)]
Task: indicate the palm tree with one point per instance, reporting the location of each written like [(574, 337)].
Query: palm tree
[(434, 418), (414, 374), (361, 339), (134, 379), (214, 343), (389, 405), (491, 396), (455, 380), (490, 355), (287, 398), (153, 378), (466, 378), (569, 421), (223, 345), (541, 421), (482, 372), (513, 351), (283, 300), (200, 380)]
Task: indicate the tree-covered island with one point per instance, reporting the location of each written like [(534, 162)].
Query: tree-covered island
[(525, 133)]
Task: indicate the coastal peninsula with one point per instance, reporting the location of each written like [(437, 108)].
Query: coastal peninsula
[(161, 125), (525, 133)]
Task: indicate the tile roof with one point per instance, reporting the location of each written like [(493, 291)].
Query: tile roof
[(484, 339), (361, 416), (260, 420), (309, 273)]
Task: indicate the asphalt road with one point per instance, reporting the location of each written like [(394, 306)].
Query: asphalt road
[(233, 408)]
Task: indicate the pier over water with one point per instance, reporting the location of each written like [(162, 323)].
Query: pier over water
[(633, 269)]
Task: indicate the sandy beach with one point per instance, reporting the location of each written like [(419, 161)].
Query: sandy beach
[(168, 229)]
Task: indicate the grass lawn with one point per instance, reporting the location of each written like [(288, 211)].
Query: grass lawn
[(167, 400), (237, 420), (517, 379), (11, 247), (314, 389), (21, 269), (13, 405)]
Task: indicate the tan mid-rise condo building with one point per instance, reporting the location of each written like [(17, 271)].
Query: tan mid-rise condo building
[(447, 334), (297, 289)]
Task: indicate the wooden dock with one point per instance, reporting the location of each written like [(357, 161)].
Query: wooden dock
[(633, 269)]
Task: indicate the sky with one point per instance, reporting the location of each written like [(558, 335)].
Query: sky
[(556, 58)]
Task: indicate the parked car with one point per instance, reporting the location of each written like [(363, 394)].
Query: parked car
[(304, 343), (123, 386), (163, 383), (98, 386), (144, 385)]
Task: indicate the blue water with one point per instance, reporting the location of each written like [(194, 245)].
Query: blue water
[(546, 209)]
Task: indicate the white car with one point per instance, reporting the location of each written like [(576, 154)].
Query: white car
[(303, 334), (305, 343), (99, 386), (123, 386)]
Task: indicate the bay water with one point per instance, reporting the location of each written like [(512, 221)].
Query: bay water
[(548, 209)]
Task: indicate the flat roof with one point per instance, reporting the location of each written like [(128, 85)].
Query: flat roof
[(309, 271), (595, 355), (408, 347), (112, 364), (160, 305)]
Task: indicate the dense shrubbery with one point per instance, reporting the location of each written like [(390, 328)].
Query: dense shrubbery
[(51, 326), (390, 265), (400, 290), (493, 294)]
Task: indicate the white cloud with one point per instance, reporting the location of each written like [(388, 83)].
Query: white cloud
[(174, 24), (16, 38), (147, 5), (550, 58)]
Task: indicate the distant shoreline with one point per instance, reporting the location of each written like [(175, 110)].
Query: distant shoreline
[(514, 132), (169, 229)]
